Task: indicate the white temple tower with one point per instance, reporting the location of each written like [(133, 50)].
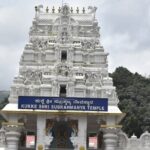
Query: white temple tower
[(63, 58)]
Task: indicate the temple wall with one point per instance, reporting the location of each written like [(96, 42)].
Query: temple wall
[(134, 143)]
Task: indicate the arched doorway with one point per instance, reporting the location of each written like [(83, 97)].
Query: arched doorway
[(61, 132)]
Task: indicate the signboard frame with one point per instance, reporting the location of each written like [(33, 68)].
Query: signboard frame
[(62, 103)]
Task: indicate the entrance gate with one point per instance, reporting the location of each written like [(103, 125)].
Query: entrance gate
[(61, 132)]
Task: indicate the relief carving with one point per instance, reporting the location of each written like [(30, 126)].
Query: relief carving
[(36, 29), (63, 69), (65, 10), (88, 44), (41, 44), (33, 77), (93, 77)]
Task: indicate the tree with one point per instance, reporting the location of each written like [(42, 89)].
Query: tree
[(133, 92), (2, 104)]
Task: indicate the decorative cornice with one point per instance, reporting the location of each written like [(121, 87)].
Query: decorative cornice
[(12, 123), (35, 112), (111, 126)]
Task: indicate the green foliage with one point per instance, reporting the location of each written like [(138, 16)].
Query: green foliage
[(134, 94), (3, 102), (3, 98)]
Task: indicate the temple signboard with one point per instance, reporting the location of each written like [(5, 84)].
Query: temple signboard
[(63, 103)]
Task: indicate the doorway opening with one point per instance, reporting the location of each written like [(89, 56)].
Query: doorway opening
[(61, 132)]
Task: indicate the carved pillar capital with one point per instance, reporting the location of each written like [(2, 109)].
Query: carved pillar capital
[(110, 130)]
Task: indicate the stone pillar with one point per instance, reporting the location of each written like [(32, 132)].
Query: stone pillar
[(110, 138), (41, 139), (82, 134), (12, 135)]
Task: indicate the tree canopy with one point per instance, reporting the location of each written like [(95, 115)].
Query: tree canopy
[(134, 94), (2, 104)]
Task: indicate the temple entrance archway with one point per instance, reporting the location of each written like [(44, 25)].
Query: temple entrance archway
[(61, 133)]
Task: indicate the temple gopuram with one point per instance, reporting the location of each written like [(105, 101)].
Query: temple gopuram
[(63, 97)]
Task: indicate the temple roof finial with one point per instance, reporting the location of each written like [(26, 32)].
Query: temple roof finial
[(53, 9), (71, 10), (83, 10), (47, 9), (77, 10), (59, 9), (36, 9)]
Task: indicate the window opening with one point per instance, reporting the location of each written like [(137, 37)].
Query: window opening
[(63, 56), (62, 91)]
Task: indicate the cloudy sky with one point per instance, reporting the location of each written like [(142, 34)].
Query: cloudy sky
[(125, 32)]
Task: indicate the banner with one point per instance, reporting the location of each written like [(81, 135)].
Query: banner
[(63, 103)]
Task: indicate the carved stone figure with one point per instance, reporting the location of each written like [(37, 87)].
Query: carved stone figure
[(33, 77), (63, 69), (65, 10), (92, 77)]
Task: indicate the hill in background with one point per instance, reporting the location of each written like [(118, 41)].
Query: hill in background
[(3, 101), (3, 98), (3, 95)]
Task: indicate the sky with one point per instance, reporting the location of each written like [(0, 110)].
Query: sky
[(125, 33)]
